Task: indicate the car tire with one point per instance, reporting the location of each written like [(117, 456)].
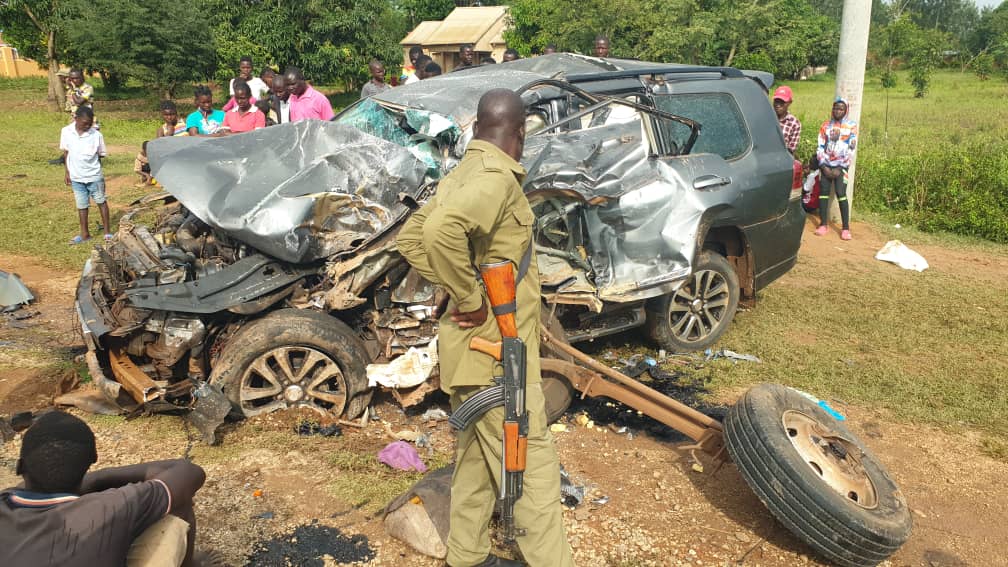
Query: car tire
[(696, 315), (557, 390), (816, 477), (262, 367)]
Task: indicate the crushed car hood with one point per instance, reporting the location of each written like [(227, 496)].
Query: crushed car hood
[(299, 192)]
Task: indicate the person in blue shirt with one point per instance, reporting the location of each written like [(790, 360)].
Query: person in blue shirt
[(205, 120)]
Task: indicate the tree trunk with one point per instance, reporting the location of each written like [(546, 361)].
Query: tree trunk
[(731, 55), (57, 94)]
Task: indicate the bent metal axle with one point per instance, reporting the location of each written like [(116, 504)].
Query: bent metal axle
[(594, 380)]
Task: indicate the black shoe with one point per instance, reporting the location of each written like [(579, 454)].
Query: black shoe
[(57, 161)]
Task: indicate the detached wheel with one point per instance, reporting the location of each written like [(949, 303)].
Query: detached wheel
[(294, 358), (816, 477), (699, 312)]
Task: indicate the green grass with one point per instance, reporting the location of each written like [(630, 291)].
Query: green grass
[(360, 480), (927, 347), (937, 162)]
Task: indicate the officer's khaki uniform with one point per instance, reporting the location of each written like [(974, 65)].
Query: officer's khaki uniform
[(480, 215)]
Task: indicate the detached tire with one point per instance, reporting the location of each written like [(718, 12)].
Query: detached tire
[(816, 477), (696, 315), (294, 358)]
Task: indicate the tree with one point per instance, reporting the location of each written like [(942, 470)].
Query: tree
[(123, 39), (791, 33), (417, 11), (36, 28), (328, 39)]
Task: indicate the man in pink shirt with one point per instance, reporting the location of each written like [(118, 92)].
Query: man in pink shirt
[(244, 117), (305, 102)]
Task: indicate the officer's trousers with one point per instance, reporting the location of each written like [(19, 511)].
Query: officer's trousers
[(478, 476)]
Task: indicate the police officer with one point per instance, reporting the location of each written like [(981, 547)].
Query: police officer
[(480, 215)]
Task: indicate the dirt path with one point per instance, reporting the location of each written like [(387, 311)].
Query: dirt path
[(265, 480)]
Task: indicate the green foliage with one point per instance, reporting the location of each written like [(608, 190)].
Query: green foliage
[(983, 66), (329, 40), (132, 39), (417, 11), (755, 62), (944, 186), (889, 79), (903, 40), (940, 165), (790, 33)]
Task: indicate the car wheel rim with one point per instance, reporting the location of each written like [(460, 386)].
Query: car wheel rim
[(699, 306), (831, 457), (293, 376)]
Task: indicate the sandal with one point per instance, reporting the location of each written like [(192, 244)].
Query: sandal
[(109, 237), (78, 240)]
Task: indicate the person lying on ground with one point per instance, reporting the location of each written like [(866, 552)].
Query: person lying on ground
[(205, 120), (83, 148), (245, 117), (62, 515), (172, 125)]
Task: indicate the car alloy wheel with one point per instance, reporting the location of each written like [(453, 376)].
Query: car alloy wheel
[(699, 306), (290, 376)]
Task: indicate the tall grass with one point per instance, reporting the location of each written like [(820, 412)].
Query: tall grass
[(938, 162)]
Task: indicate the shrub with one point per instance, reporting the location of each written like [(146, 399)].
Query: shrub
[(961, 188), (758, 61)]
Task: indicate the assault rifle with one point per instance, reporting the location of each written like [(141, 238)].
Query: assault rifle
[(499, 280)]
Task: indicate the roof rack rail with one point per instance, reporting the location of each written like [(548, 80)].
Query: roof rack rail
[(726, 72)]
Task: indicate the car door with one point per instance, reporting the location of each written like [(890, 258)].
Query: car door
[(761, 184)]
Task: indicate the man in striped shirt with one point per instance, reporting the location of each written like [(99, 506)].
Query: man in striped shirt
[(789, 124), (64, 516)]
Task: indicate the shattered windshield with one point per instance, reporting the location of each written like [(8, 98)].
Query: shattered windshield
[(424, 133)]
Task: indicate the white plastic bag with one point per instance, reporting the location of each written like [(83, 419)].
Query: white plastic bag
[(897, 253), (410, 369)]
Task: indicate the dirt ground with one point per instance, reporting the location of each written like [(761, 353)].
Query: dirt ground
[(264, 481)]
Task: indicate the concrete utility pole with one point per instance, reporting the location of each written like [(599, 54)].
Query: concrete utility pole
[(850, 73)]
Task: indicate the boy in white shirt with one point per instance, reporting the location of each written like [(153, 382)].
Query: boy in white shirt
[(83, 147)]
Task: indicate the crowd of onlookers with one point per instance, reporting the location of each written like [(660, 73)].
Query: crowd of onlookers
[(279, 97)]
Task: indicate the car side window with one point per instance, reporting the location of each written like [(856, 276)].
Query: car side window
[(722, 128)]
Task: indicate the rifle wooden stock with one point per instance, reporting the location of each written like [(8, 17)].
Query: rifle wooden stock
[(499, 280)]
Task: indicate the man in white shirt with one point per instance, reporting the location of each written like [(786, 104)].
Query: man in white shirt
[(83, 147), (256, 85)]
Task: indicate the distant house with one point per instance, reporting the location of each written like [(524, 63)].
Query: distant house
[(13, 65), (482, 26)]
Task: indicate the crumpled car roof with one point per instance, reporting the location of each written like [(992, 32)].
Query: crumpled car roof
[(299, 192)]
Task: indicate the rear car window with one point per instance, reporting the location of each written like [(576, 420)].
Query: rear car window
[(722, 129)]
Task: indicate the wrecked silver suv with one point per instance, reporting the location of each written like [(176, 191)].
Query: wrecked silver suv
[(664, 196)]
